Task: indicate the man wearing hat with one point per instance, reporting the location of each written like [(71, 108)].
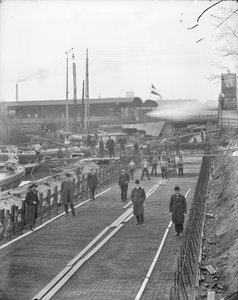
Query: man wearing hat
[(32, 205), (123, 181), (178, 210), (138, 198), (67, 194), (60, 153), (132, 167), (92, 182)]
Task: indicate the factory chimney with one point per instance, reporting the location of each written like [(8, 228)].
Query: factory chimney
[(17, 92)]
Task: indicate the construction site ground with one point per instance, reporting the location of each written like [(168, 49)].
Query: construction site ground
[(116, 270)]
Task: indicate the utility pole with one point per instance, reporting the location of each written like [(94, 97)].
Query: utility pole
[(67, 88), (87, 95), (83, 109), (75, 91)]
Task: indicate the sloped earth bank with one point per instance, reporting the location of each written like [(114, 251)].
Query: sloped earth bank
[(220, 242)]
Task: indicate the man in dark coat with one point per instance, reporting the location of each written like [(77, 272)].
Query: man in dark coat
[(177, 144), (122, 141), (101, 147), (60, 153), (110, 146), (123, 181), (32, 205), (92, 182), (67, 194), (178, 210), (138, 198)]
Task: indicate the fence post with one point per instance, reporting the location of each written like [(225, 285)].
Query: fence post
[(48, 201)]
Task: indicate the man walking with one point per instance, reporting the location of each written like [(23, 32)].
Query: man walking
[(138, 198), (123, 181), (145, 168), (92, 182), (132, 167), (32, 202), (110, 146), (101, 147), (178, 210), (67, 194)]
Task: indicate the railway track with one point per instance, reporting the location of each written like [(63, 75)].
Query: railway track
[(93, 248)]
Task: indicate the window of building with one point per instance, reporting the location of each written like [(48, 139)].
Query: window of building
[(36, 116), (28, 116)]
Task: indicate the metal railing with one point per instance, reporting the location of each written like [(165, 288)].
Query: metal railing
[(13, 221), (185, 275)]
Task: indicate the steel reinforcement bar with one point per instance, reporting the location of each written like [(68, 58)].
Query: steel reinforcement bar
[(185, 275)]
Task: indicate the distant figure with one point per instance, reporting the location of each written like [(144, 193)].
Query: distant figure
[(123, 181), (110, 146), (60, 153), (122, 141), (177, 144), (138, 198), (132, 167), (92, 182), (66, 152), (154, 165), (145, 169), (178, 210), (91, 144), (67, 194), (32, 205), (38, 148), (164, 168), (136, 146), (163, 154), (180, 166), (203, 135), (195, 141), (101, 147)]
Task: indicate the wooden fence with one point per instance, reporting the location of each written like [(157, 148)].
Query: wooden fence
[(13, 222)]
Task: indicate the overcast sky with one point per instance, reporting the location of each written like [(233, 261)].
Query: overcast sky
[(131, 45)]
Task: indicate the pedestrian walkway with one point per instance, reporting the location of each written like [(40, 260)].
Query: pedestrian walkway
[(118, 269)]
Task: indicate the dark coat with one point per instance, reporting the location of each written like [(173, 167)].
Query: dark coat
[(101, 144), (122, 141), (67, 192), (124, 179), (110, 144), (138, 197), (178, 207), (92, 180), (31, 209)]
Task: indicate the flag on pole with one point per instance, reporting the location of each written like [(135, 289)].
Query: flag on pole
[(155, 92)]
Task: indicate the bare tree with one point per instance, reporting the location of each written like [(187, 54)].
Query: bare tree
[(225, 34)]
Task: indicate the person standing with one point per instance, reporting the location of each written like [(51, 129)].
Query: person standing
[(145, 168), (154, 165), (180, 166), (101, 147), (66, 152), (138, 198), (123, 181), (67, 194), (38, 152), (92, 182), (178, 210), (122, 141), (60, 153), (164, 168), (110, 146), (136, 146), (92, 144), (132, 167), (32, 205)]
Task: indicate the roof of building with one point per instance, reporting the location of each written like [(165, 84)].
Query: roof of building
[(135, 101), (153, 128)]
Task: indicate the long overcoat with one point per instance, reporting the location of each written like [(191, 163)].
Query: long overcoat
[(92, 180), (67, 192), (31, 209), (178, 207), (138, 197)]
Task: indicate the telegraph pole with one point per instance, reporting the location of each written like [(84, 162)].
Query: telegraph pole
[(86, 94), (67, 88)]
